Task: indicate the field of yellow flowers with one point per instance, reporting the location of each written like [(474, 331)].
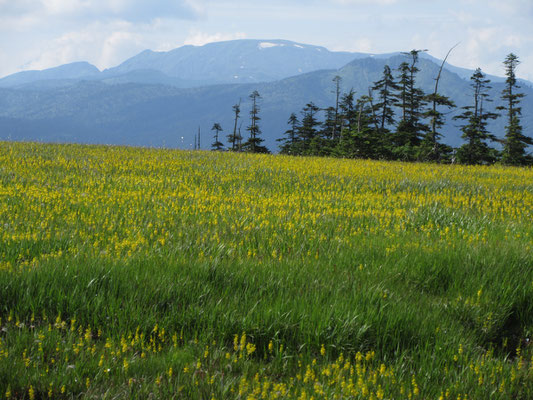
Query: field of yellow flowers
[(150, 273)]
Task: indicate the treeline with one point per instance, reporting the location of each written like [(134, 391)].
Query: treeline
[(397, 120), (253, 144)]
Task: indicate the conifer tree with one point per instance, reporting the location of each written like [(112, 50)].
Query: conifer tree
[(403, 85), (217, 145), (364, 140), (347, 122), (431, 149), (335, 126), (327, 137), (348, 114), (308, 132), (515, 144), (476, 149), (289, 143), (387, 97), (386, 88), (253, 144), (408, 136), (234, 138), (239, 138), (329, 126)]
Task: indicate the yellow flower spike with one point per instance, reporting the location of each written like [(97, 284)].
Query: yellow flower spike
[(175, 340), (322, 350), (242, 345), (250, 348)]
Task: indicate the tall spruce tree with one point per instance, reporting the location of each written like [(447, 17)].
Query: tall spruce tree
[(239, 138), (476, 116), (289, 143), (347, 122), (217, 145), (335, 128), (403, 90), (364, 141), (386, 89), (234, 137), (387, 97), (308, 135), (348, 112), (431, 149), (515, 144), (329, 126), (408, 136), (253, 144)]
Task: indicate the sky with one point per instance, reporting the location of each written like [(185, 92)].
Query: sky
[(38, 34)]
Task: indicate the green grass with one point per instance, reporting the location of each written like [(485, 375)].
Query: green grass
[(121, 263)]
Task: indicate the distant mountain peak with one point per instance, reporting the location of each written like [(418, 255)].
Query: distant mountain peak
[(75, 70), (150, 100), (233, 61), (237, 61)]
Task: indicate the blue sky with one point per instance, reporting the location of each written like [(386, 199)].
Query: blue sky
[(37, 34)]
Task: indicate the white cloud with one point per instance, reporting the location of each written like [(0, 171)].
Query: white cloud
[(45, 33), (521, 8), (131, 10), (351, 2), (102, 45), (118, 46), (361, 45)]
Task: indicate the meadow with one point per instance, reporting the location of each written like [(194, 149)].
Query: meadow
[(151, 273)]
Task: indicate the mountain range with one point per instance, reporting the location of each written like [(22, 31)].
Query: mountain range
[(161, 98)]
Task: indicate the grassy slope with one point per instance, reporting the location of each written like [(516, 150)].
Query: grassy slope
[(128, 272)]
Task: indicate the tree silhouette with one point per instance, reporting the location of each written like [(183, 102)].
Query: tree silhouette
[(253, 144), (217, 145), (515, 144), (234, 137), (475, 132)]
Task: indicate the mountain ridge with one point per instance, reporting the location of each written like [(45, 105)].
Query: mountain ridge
[(160, 115), (236, 61), (150, 108)]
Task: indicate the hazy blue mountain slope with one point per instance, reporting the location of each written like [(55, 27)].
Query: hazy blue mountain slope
[(240, 61), (75, 71), (237, 61), (160, 115), (231, 62)]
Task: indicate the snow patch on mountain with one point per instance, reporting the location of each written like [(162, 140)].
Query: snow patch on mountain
[(267, 45)]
